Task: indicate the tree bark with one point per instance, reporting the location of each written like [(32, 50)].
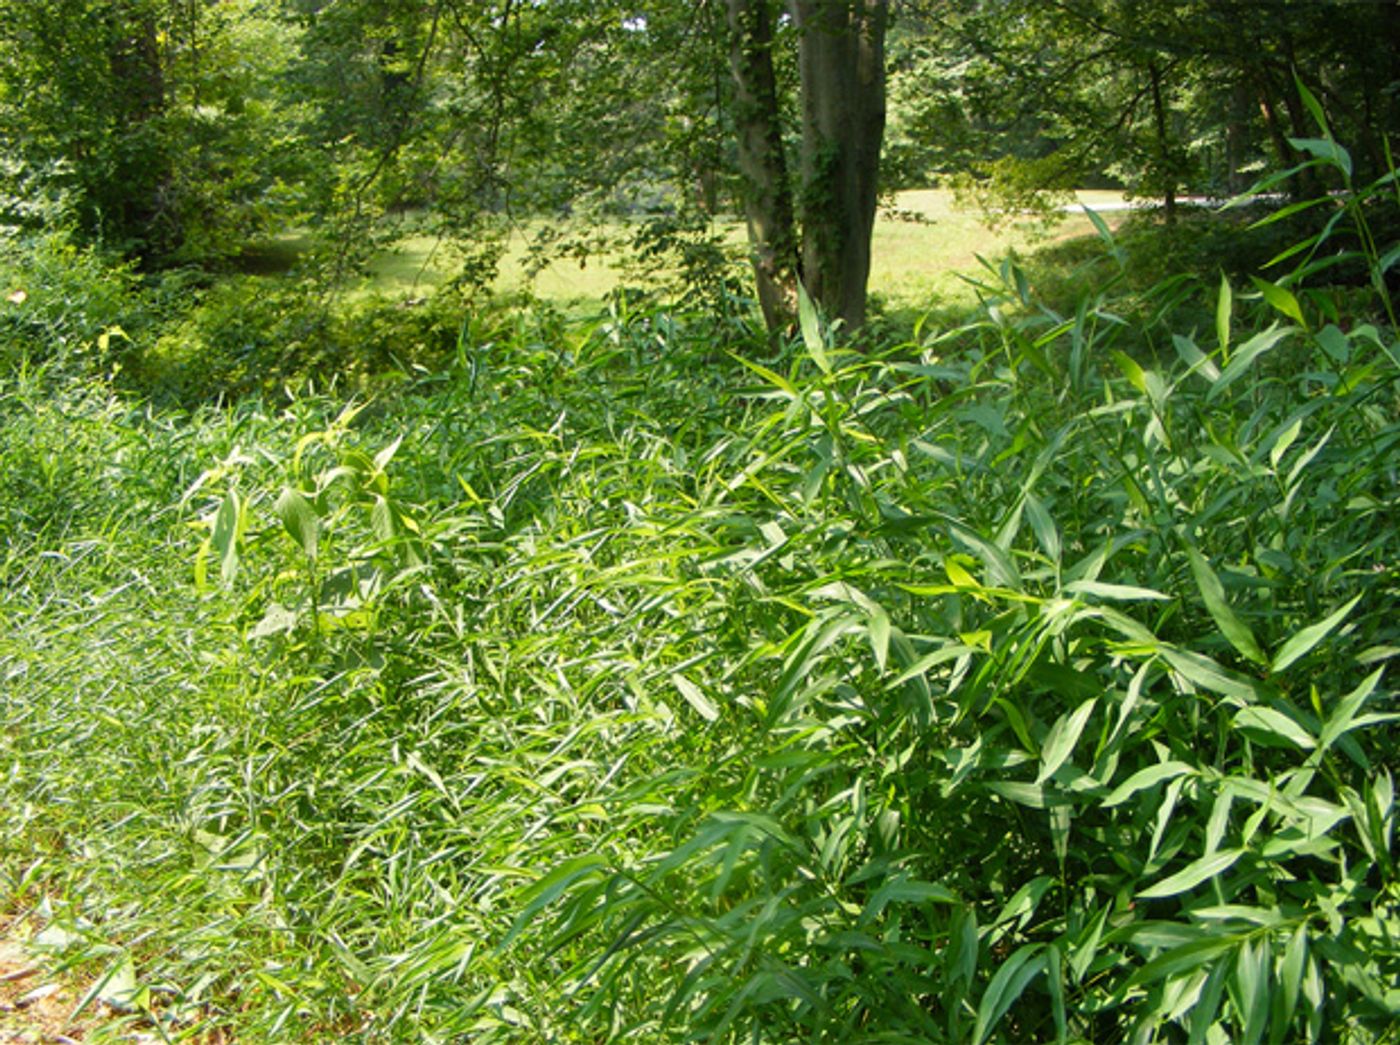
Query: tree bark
[(767, 193), (1164, 149), (841, 58), (143, 214)]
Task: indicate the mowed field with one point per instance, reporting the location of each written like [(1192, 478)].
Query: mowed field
[(922, 243)]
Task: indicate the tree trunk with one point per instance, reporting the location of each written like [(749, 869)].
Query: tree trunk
[(767, 195), (841, 58), (1164, 149), (143, 215), (1237, 139)]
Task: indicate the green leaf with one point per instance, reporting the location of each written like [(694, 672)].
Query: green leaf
[(381, 519), (1301, 644), (1025, 900), (1143, 779), (1204, 1027), (1213, 593), (299, 520), (695, 697), (1063, 735), (1343, 717), (382, 459), (1206, 673), (1182, 958), (1006, 986), (1114, 592), (553, 885), (1086, 948), (1054, 976), (1252, 966), (880, 636), (1290, 981), (1273, 723), (227, 527), (960, 965), (1224, 304), (1327, 151), (1198, 361), (1131, 371), (1313, 106), (1046, 533), (1193, 874), (812, 335), (1280, 300), (1245, 357), (906, 890), (1284, 441), (1105, 234), (1219, 821)]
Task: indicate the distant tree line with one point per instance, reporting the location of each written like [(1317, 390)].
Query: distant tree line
[(177, 130)]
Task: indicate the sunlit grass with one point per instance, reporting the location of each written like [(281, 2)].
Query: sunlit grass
[(921, 244), (994, 686)]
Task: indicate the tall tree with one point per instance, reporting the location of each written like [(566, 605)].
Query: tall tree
[(825, 238), (841, 50), (156, 117), (765, 190)]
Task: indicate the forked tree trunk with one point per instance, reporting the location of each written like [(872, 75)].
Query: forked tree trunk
[(767, 194), (841, 59)]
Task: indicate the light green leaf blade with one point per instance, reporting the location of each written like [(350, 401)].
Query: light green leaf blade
[(1115, 592), (880, 636), (1047, 535), (1274, 724), (226, 532), (1280, 299), (1343, 717), (1213, 593), (1006, 986), (1143, 779), (1303, 643), (381, 520), (1224, 305), (813, 337), (1193, 874), (382, 459), (1290, 979), (1181, 959), (1063, 735), (695, 697), (299, 520), (1326, 150), (1243, 359)]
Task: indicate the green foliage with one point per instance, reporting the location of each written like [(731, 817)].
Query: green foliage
[(158, 117), (1009, 683)]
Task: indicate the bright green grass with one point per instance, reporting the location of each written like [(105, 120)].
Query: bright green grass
[(603, 688), (916, 263)]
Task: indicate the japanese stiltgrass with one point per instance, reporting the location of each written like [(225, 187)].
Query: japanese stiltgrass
[(1006, 684)]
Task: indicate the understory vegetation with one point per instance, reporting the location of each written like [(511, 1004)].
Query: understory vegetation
[(1016, 679)]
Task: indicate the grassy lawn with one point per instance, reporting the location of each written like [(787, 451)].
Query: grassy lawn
[(921, 244)]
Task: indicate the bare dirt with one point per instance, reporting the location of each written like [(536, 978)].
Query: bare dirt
[(34, 1005), (37, 1002)]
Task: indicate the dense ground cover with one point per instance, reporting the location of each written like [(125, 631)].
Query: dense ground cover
[(1018, 680)]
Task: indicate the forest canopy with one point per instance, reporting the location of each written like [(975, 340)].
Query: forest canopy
[(178, 130)]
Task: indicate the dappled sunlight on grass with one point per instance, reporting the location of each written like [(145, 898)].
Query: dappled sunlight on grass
[(921, 245)]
